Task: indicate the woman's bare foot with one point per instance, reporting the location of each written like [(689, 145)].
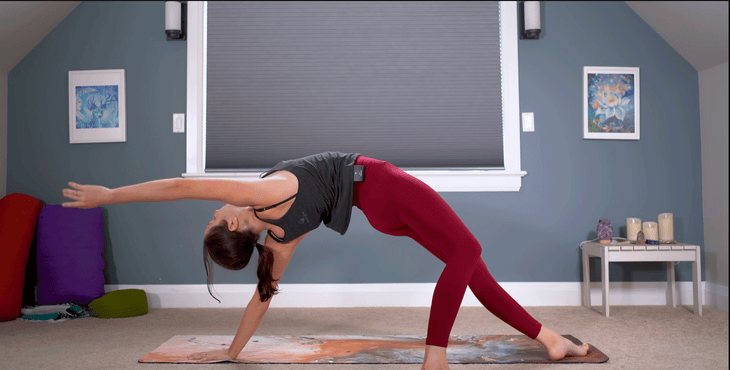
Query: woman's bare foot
[(559, 347), (435, 359)]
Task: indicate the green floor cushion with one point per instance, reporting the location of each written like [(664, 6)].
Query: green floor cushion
[(120, 303)]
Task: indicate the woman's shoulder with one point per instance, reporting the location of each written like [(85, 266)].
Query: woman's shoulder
[(277, 186)]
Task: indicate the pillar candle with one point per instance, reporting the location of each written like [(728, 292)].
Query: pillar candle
[(666, 227), (651, 232), (633, 226)]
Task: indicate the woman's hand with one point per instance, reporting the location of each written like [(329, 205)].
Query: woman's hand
[(220, 355), (86, 196)]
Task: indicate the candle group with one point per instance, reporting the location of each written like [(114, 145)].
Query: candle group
[(659, 231)]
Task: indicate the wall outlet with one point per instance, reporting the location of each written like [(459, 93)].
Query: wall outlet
[(178, 122), (528, 121)]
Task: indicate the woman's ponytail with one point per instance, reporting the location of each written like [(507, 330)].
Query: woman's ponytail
[(266, 283)]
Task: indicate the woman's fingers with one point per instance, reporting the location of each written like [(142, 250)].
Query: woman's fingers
[(73, 194), (70, 193), (86, 196)]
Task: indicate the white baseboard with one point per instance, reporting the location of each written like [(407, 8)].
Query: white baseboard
[(408, 295), (716, 296)]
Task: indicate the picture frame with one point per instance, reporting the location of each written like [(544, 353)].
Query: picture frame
[(97, 106), (611, 103)]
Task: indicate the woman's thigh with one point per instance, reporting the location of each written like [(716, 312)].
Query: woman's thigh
[(397, 203), (377, 194)]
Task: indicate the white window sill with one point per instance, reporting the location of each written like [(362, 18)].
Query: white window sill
[(441, 181)]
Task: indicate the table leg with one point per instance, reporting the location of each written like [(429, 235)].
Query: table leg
[(604, 280), (671, 287), (696, 282), (586, 281)]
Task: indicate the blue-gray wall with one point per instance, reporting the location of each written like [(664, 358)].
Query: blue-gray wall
[(530, 235)]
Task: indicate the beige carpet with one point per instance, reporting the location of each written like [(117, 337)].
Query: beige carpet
[(634, 337)]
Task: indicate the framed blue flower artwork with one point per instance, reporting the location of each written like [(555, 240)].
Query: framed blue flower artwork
[(611, 103), (97, 106)]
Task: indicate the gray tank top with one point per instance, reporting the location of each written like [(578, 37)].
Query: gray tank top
[(325, 194)]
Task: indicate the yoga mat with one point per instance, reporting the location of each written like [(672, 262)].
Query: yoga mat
[(360, 349)]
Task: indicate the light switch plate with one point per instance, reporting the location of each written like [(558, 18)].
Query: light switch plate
[(178, 122), (528, 121)]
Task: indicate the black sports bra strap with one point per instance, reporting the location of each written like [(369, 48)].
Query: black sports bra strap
[(277, 204), (275, 237)]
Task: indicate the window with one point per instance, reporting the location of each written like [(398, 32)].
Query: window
[(507, 179)]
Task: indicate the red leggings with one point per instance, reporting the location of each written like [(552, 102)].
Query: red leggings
[(396, 203)]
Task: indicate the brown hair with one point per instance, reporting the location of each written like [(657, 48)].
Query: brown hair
[(232, 250)]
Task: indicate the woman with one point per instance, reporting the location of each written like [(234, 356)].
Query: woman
[(294, 197)]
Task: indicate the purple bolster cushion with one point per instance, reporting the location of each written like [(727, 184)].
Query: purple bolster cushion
[(70, 262)]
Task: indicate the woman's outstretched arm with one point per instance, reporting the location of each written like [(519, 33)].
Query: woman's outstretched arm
[(91, 196), (236, 192)]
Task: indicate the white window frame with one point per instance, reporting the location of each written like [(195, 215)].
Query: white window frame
[(508, 179)]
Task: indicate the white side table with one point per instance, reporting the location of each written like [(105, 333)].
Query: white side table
[(668, 253)]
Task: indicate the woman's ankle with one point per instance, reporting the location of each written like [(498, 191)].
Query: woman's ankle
[(546, 337), (435, 357)]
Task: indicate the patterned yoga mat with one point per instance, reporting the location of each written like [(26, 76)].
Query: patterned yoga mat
[(361, 349)]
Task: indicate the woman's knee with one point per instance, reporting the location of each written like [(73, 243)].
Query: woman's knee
[(467, 248), (472, 246)]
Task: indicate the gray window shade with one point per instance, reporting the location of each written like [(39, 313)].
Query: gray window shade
[(417, 84)]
